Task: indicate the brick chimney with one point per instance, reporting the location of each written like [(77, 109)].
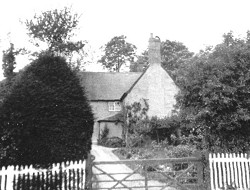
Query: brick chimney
[(154, 50)]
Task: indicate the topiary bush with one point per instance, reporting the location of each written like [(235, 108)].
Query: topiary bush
[(46, 118)]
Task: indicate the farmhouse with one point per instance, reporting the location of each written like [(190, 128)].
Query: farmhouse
[(110, 92)]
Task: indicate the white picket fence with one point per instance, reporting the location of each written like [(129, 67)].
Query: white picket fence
[(229, 170), (66, 175)]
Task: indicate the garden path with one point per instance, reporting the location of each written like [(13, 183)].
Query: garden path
[(106, 154)]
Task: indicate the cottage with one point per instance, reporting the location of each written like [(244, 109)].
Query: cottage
[(110, 92)]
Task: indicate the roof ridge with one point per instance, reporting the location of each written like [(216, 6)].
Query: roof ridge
[(130, 89), (112, 72)]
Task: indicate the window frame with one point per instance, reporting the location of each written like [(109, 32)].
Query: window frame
[(113, 106)]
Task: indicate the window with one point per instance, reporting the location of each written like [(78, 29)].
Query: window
[(114, 106)]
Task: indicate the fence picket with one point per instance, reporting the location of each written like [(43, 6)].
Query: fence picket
[(230, 156), (239, 171), (243, 171), (223, 165), (220, 175), (211, 171), (247, 171), (215, 173), (63, 175), (229, 169)]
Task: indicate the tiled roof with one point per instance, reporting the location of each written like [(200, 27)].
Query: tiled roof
[(107, 85)]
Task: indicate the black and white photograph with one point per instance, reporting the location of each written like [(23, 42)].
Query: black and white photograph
[(125, 95)]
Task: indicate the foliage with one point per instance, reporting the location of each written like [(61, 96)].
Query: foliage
[(137, 126), (214, 97), (117, 53), (114, 142), (103, 136), (174, 55), (46, 118), (56, 28), (7, 84), (180, 151), (9, 61), (141, 129), (106, 141), (6, 87), (8, 66), (136, 113), (165, 129), (141, 63)]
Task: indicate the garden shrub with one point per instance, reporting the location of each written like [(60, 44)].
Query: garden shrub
[(103, 136), (180, 151), (114, 142)]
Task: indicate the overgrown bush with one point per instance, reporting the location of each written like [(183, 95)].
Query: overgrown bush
[(114, 142), (180, 151)]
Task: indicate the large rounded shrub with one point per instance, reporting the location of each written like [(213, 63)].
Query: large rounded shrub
[(46, 118)]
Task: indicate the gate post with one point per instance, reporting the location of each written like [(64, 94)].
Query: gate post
[(200, 169), (88, 172)]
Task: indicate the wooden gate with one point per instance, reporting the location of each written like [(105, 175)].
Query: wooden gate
[(157, 174)]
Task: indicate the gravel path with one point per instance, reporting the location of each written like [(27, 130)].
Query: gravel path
[(105, 154)]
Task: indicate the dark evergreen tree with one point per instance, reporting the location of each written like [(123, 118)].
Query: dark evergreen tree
[(46, 118)]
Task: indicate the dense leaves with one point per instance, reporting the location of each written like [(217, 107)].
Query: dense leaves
[(214, 99), (173, 55), (55, 28), (141, 63), (46, 118), (117, 53), (8, 66), (9, 60)]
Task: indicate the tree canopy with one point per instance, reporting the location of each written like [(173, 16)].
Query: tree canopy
[(141, 63), (46, 118), (9, 60), (56, 28), (117, 52), (8, 66), (173, 55), (214, 95)]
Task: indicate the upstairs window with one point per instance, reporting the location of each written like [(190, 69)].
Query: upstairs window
[(114, 106)]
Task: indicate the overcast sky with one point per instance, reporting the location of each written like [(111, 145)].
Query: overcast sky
[(196, 23)]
